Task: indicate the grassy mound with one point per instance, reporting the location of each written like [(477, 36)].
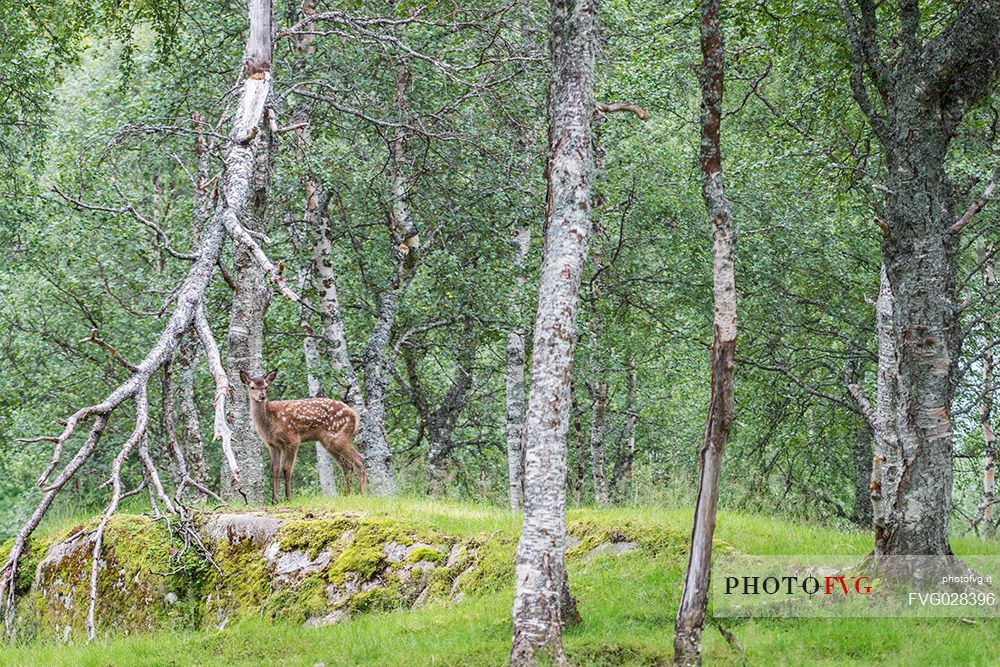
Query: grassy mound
[(627, 601)]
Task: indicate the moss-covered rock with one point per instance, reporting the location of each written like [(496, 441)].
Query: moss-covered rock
[(313, 567)]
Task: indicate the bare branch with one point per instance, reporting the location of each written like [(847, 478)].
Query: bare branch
[(640, 113), (978, 205), (122, 361), (222, 430)]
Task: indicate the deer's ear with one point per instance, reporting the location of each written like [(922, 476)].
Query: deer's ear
[(270, 376), (244, 378)]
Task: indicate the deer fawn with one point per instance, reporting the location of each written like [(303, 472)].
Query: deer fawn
[(284, 425)]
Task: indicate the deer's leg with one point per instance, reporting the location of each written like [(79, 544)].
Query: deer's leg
[(275, 455), (350, 460), (286, 468)]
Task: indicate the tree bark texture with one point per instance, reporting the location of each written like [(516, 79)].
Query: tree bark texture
[(324, 462), (189, 425), (373, 437), (515, 378), (923, 92), (539, 564), (694, 598), (985, 521), (245, 339)]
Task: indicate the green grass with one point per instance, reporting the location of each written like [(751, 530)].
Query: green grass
[(628, 605)]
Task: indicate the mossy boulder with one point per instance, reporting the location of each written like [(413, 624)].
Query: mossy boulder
[(309, 567), (313, 567)]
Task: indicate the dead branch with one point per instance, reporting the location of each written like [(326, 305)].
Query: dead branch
[(639, 112), (122, 361), (127, 209), (222, 430), (184, 475), (976, 206), (139, 435), (870, 415), (241, 236)]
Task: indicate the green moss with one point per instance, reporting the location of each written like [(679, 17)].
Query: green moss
[(299, 603), (439, 583), (381, 598), (313, 535), (490, 567), (362, 560), (34, 552), (425, 554), (653, 539), (243, 584)]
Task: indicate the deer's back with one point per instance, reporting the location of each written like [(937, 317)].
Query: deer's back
[(311, 418)]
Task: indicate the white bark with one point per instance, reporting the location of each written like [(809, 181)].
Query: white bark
[(539, 564), (515, 377)]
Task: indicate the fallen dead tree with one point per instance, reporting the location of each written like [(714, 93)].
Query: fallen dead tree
[(188, 312)]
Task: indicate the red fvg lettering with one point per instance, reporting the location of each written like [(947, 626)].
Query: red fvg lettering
[(845, 587)]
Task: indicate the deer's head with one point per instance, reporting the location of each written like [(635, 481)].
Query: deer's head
[(257, 386)]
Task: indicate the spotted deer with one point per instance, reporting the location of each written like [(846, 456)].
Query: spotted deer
[(284, 425)]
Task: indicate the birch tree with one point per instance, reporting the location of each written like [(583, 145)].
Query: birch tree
[(914, 91), (514, 378), (985, 521), (694, 598), (251, 296), (539, 563)]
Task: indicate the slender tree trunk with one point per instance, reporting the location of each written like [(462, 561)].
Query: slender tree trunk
[(581, 455), (626, 455), (192, 445), (515, 378), (186, 357), (324, 462), (694, 599), (442, 421), (331, 314), (244, 341), (598, 423), (539, 564), (985, 520), (302, 47), (861, 450), (924, 92)]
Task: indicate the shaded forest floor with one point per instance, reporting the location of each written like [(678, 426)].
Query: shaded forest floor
[(627, 602)]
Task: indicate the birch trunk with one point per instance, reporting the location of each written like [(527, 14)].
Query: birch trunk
[(189, 425), (515, 378), (244, 341), (694, 598), (924, 93), (302, 47), (372, 433), (626, 455), (539, 564), (985, 519), (324, 462)]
